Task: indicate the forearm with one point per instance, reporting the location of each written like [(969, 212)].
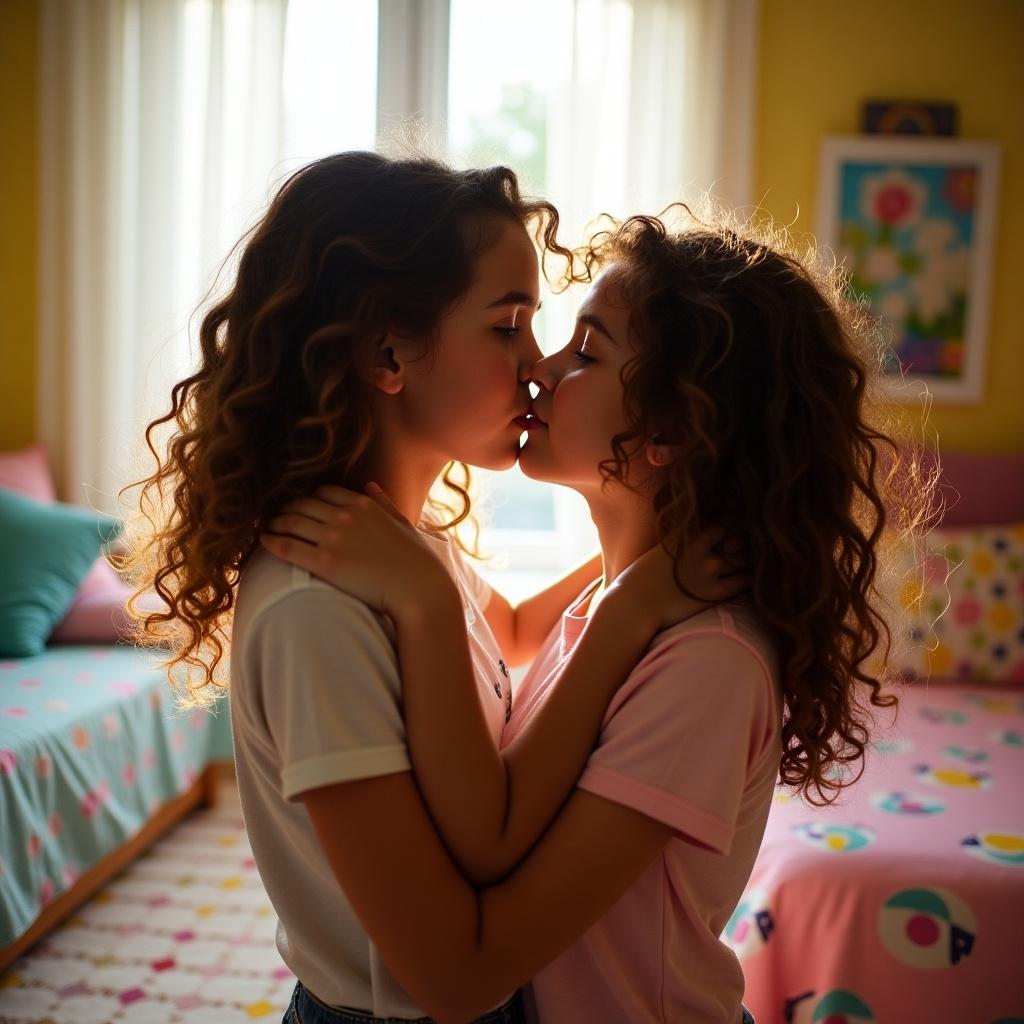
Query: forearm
[(491, 807), (457, 765), (458, 950), (536, 615), (545, 760)]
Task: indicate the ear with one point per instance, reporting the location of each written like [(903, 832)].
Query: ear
[(661, 454), (388, 373)]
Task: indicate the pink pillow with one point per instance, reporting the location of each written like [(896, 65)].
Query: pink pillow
[(28, 473), (97, 614)]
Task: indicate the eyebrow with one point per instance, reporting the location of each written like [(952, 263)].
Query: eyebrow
[(514, 298), (598, 324)]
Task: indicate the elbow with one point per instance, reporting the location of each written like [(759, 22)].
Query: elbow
[(440, 998), (461, 983), (483, 876), (487, 865), (451, 1015), (459, 1001), (464, 1009)]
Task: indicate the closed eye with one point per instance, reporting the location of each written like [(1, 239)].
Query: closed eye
[(582, 357)]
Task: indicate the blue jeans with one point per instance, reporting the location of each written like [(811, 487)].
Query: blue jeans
[(305, 1008)]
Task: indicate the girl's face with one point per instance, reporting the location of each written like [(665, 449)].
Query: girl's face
[(468, 400), (580, 399)]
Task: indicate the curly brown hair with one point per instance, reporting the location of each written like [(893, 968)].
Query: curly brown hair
[(352, 247), (754, 365)]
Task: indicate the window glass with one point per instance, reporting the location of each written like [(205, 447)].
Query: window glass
[(330, 78), (505, 66)]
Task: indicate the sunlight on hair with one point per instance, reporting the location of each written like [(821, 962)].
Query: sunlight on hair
[(844, 498)]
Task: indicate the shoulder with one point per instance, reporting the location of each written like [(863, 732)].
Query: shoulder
[(728, 634), (706, 682), (274, 595), (720, 657)]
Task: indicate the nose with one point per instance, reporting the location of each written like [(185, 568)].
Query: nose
[(529, 353), (544, 372)]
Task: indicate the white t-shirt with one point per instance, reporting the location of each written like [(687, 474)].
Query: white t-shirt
[(316, 700)]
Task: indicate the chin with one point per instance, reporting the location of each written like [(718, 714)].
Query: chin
[(496, 460), (533, 467)]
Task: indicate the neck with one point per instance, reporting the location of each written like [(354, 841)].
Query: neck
[(627, 527), (405, 471)]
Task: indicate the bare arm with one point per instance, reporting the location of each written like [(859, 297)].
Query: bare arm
[(456, 950), (490, 806), (520, 629)]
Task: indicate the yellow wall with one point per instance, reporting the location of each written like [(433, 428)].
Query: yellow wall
[(820, 59), (19, 30)]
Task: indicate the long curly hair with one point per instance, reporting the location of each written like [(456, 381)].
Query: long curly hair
[(760, 372), (352, 247)]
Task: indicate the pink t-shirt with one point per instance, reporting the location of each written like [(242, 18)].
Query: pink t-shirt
[(692, 739)]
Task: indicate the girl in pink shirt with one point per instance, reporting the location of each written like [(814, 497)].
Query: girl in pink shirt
[(713, 381)]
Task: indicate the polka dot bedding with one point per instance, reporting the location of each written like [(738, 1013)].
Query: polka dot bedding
[(904, 900), (965, 603), (90, 747)]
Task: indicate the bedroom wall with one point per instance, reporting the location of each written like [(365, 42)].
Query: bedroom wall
[(19, 25), (819, 61)]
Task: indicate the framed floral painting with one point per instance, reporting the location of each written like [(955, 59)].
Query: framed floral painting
[(912, 220)]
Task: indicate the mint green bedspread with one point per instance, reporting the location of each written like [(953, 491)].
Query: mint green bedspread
[(91, 745)]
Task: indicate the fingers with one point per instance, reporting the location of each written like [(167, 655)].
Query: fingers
[(302, 527), (341, 497), (726, 585), (313, 508), (297, 552), (708, 540), (329, 504), (380, 496)]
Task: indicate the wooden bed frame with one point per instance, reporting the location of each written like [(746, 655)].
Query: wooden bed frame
[(202, 793)]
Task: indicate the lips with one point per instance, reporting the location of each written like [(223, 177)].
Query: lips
[(529, 420)]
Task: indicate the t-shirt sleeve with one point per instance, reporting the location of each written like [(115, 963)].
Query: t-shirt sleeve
[(325, 676), (682, 734)]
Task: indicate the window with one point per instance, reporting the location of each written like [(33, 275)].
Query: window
[(183, 117), (505, 69), (330, 78)]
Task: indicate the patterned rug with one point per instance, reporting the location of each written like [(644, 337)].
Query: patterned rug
[(183, 936)]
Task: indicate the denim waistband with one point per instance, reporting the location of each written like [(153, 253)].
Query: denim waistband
[(305, 1008)]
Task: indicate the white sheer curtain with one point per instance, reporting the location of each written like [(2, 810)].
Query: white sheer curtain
[(161, 130), (655, 104), (166, 124), (645, 102)]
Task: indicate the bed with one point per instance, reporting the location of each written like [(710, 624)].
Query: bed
[(904, 901), (95, 763)]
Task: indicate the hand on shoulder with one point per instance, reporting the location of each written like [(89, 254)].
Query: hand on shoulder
[(359, 543), (650, 587)]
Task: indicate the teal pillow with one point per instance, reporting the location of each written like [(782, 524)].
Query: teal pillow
[(46, 550)]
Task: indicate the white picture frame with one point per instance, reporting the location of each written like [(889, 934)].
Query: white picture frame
[(912, 220)]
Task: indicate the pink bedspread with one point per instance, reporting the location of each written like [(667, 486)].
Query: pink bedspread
[(904, 902)]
